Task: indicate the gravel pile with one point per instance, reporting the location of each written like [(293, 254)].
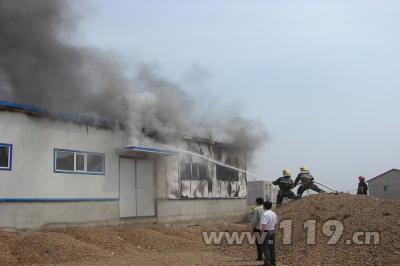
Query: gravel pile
[(52, 247), (357, 214), (162, 245)]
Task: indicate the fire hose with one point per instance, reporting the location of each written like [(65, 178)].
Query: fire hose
[(325, 186)]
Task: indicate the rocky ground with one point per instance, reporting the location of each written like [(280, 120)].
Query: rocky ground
[(183, 245)]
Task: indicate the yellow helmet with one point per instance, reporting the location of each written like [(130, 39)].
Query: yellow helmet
[(304, 169), (286, 172)]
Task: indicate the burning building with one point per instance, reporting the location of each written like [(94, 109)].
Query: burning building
[(63, 168)]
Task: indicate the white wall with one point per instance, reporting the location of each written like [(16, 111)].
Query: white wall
[(391, 180), (34, 215), (34, 140), (198, 210), (262, 189)]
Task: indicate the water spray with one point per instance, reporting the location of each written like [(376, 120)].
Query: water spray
[(210, 159), (226, 165)]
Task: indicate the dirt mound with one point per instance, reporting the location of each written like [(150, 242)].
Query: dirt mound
[(6, 257), (150, 239), (52, 247), (103, 237), (162, 245), (357, 214), (122, 240)]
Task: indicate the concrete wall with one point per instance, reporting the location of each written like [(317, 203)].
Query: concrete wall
[(207, 210), (34, 140), (262, 189), (390, 180), (34, 215), (255, 189)]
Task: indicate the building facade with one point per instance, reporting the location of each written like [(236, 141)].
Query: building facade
[(261, 189), (70, 169), (386, 185)]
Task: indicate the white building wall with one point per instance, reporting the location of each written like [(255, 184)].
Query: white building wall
[(202, 210), (34, 140), (261, 189), (32, 177)]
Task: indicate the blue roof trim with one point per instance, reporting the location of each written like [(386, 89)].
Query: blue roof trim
[(151, 150), (24, 107), (66, 116)]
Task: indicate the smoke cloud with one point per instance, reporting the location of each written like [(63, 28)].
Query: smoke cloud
[(41, 65)]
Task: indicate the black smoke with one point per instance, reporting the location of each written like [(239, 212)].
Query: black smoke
[(40, 64)]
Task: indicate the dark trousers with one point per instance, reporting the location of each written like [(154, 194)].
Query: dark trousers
[(269, 249), (259, 245), (284, 194), (312, 186)]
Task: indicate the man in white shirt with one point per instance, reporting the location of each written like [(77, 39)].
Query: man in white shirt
[(268, 223)]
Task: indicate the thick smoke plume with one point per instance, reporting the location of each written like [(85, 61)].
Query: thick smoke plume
[(40, 65)]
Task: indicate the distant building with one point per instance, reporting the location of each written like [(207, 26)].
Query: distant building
[(261, 189), (386, 185)]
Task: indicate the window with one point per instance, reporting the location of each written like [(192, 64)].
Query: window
[(194, 171), (202, 169), (80, 161), (385, 188), (95, 163), (227, 174), (186, 170), (5, 156), (67, 161)]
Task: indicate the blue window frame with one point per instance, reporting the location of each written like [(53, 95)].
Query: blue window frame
[(78, 162), (6, 156)]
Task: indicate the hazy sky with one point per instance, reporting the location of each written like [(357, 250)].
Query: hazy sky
[(324, 76)]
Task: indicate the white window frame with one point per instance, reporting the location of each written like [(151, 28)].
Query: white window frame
[(84, 161), (75, 170)]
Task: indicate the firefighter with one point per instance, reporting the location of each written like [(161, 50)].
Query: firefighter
[(285, 184), (362, 186), (307, 182)]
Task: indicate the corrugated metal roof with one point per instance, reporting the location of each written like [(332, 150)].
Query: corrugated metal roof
[(65, 116), (85, 119), (394, 169)]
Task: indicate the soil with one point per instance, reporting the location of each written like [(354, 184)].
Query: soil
[(183, 245)]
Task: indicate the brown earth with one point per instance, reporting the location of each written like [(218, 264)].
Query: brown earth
[(179, 245), (357, 213)]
